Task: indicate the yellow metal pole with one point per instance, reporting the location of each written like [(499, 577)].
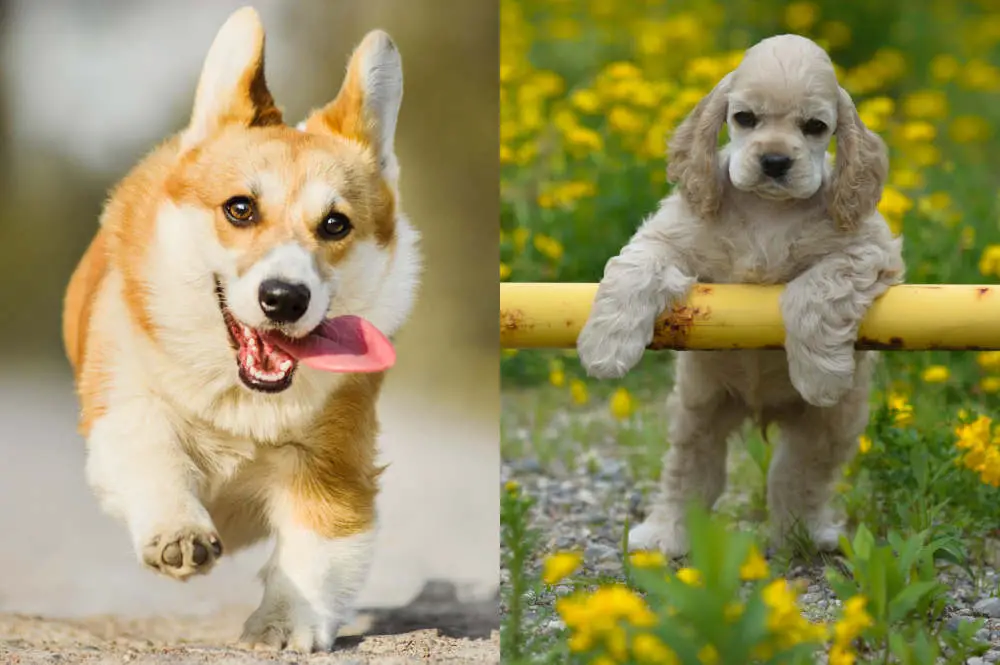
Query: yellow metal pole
[(912, 317)]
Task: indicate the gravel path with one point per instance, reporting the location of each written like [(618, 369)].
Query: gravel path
[(585, 509)]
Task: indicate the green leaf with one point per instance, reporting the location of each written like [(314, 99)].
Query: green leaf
[(908, 599), (863, 544)]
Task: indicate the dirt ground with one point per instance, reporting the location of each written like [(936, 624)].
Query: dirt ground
[(436, 627), (71, 590)]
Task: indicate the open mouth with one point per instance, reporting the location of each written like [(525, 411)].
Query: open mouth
[(267, 359), (263, 365)]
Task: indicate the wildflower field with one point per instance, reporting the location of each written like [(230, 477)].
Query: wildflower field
[(590, 91)]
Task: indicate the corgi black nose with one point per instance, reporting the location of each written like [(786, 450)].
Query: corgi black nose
[(283, 302), (774, 165)]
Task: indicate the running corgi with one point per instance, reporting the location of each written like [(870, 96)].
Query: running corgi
[(229, 326)]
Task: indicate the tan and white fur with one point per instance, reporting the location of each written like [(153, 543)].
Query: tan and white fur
[(191, 459), (767, 208)]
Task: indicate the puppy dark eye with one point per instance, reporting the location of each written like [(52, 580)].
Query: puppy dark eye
[(745, 119), (240, 211), (334, 226), (813, 127)]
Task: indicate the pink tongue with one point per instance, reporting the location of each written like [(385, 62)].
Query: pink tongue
[(342, 344)]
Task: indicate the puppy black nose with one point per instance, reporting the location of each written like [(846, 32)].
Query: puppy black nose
[(774, 165), (283, 302)]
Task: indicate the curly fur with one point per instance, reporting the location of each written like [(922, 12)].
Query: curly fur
[(816, 229)]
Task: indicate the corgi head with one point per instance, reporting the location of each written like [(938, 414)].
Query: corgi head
[(293, 234)]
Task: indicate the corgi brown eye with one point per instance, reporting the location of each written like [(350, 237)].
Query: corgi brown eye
[(745, 119), (240, 211), (334, 227), (813, 127)]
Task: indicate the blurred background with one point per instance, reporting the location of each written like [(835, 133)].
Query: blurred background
[(86, 90)]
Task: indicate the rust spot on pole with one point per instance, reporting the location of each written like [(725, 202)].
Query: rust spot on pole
[(894, 344), (671, 331), (513, 320), (982, 291)]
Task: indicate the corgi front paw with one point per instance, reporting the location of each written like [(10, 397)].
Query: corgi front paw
[(183, 552)]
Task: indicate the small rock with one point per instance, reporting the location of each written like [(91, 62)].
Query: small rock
[(600, 552), (975, 660), (988, 607)]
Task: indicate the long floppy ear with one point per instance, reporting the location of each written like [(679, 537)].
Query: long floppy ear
[(693, 151), (861, 168), (367, 106), (232, 89)]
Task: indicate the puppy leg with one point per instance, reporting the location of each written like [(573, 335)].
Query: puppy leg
[(141, 474), (694, 469), (823, 308), (813, 445), (649, 274)]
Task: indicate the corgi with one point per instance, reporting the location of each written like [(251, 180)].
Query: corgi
[(229, 330)]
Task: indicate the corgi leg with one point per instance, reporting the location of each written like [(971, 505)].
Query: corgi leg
[(142, 476), (313, 576)]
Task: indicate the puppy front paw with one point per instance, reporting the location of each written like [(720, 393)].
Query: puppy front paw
[(819, 386), (608, 351), (183, 551)]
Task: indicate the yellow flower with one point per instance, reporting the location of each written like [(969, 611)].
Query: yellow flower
[(708, 655), (990, 384), (989, 262), (520, 236), (548, 246), (557, 378), (901, 409), (625, 121), (621, 404), (853, 621), (926, 104), (647, 559), (945, 67), (917, 131), (840, 655), (649, 649), (836, 33), (578, 391), (800, 16), (935, 374), (969, 129), (504, 270), (559, 566), (989, 360), (755, 567), (689, 576), (980, 75), (864, 444), (512, 486), (586, 101), (907, 179), (732, 611), (622, 70)]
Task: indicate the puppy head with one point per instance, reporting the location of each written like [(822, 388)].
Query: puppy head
[(782, 106), (289, 225)]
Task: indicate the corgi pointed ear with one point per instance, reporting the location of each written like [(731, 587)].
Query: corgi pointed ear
[(232, 89), (367, 106)]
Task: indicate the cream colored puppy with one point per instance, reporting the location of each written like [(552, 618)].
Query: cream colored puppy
[(767, 208), (227, 328)]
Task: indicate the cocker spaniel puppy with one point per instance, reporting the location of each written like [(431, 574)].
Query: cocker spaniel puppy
[(768, 208)]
